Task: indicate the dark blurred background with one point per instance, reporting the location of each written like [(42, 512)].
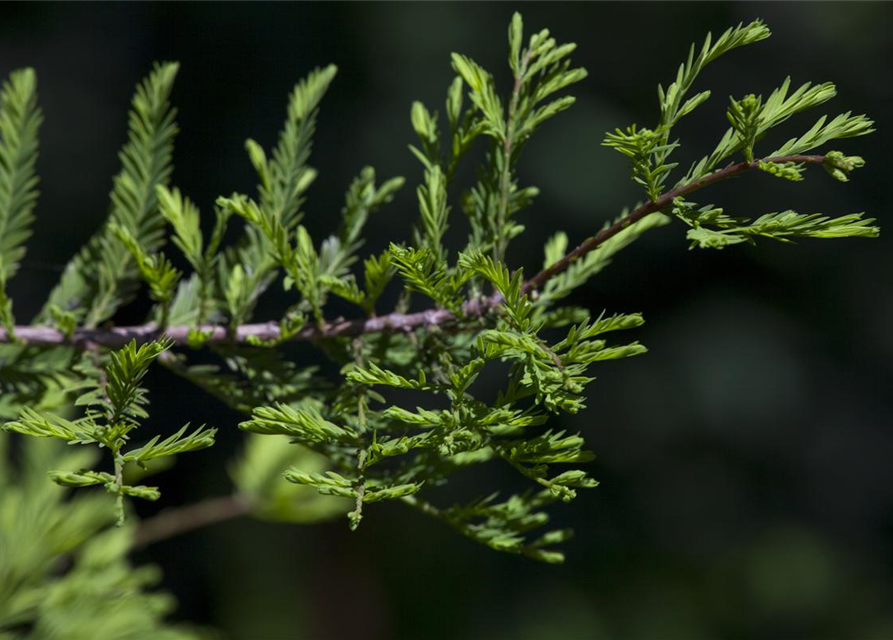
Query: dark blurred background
[(746, 488)]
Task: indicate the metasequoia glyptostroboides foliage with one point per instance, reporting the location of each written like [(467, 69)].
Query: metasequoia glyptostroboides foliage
[(354, 440)]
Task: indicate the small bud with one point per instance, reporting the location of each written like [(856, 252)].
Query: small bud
[(423, 123), (788, 170), (839, 166)]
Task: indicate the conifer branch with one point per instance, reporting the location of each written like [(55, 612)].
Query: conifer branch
[(663, 202), (390, 323), (507, 150), (352, 442)]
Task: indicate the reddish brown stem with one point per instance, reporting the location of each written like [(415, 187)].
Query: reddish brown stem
[(391, 323), (661, 203), (173, 522)]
